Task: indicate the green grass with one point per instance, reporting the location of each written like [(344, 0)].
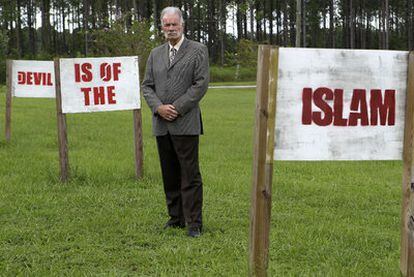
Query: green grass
[(247, 83), (328, 218)]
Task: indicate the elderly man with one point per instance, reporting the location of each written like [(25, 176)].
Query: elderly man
[(176, 79)]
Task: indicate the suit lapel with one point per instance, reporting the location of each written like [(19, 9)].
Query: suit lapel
[(166, 55), (181, 52)]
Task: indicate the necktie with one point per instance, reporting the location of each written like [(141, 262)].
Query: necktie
[(172, 54)]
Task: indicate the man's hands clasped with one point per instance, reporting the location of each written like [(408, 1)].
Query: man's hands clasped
[(168, 112)]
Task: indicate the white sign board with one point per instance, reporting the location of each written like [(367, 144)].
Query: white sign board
[(99, 84), (335, 104), (33, 79)]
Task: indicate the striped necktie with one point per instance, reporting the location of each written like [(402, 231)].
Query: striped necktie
[(173, 52)]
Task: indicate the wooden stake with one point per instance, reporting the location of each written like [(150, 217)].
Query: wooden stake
[(407, 211), (263, 160), (9, 80), (138, 143), (61, 126)]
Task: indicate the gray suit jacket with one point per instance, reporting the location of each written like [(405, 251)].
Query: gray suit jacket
[(182, 84)]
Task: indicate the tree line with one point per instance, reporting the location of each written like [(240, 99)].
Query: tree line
[(231, 29)]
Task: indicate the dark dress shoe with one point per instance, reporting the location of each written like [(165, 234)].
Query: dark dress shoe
[(194, 232), (170, 224)]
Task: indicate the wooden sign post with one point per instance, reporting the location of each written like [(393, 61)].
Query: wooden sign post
[(97, 85), (61, 128), (139, 153), (9, 77), (263, 160), (407, 210)]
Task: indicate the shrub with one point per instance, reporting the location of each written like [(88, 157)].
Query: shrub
[(232, 74), (119, 41)]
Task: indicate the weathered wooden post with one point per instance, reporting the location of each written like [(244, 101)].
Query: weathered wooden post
[(139, 153), (61, 128), (8, 99), (407, 211), (263, 160)]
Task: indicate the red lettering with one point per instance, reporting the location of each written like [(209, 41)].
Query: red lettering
[(37, 78), (105, 69), (77, 73), (117, 71), (307, 106), (86, 69), (338, 108), (49, 79), (29, 78), (99, 95), (318, 99), (83, 72), (34, 78), (111, 95), (358, 103), (21, 78), (86, 95), (384, 109)]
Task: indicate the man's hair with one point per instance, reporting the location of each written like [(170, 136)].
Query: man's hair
[(172, 10)]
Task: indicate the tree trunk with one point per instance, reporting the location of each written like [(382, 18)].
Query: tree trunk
[(298, 22), (239, 20), (156, 12), (386, 24), (251, 21), (136, 10), (304, 22), (30, 22), (285, 24), (222, 29), (361, 24), (258, 23), (64, 46), (199, 21), (19, 47), (54, 33), (245, 35), (45, 10), (292, 16), (409, 24), (85, 26), (278, 25), (331, 24), (368, 29), (270, 17), (351, 25)]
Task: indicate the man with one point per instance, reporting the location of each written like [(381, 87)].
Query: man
[(176, 79)]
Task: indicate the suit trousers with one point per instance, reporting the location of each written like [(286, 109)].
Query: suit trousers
[(182, 178)]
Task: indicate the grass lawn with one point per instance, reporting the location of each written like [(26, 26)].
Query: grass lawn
[(328, 218), (233, 83)]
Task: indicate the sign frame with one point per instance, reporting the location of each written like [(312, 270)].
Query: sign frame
[(62, 133), (10, 93), (263, 153)]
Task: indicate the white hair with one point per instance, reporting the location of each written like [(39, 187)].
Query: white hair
[(172, 10)]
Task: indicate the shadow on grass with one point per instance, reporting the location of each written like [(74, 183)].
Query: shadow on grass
[(83, 177)]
